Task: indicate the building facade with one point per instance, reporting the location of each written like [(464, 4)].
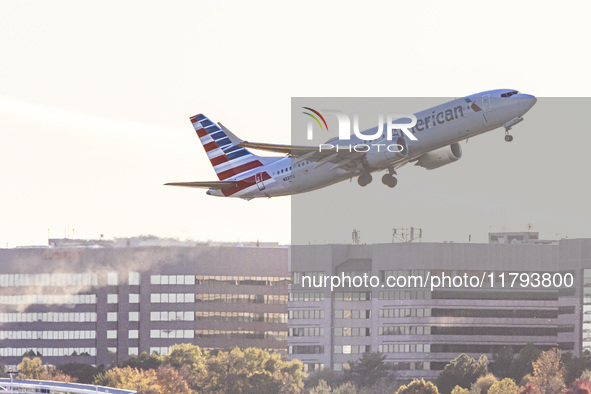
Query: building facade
[(100, 304), (419, 328)]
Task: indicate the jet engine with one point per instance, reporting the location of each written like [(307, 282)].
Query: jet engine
[(440, 157)]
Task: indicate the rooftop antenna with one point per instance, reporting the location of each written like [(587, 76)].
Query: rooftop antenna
[(406, 235), (356, 237)]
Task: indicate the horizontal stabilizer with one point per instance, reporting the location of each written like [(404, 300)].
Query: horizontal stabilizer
[(204, 185)]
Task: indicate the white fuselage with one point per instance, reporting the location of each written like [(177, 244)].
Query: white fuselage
[(436, 127)]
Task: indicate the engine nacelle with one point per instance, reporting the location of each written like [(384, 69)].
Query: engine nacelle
[(440, 157), (386, 152)]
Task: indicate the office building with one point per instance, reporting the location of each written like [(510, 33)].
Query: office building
[(100, 302), (420, 329)]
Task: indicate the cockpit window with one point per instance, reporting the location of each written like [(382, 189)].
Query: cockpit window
[(509, 94)]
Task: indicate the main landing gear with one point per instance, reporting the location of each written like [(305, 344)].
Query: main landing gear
[(508, 137), (364, 179), (389, 179)]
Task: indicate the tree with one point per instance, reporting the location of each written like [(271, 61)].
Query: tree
[(529, 389), (34, 369), (522, 364), (368, 370), (575, 367), (549, 372), (144, 382), (321, 388), (189, 361), (171, 382), (418, 387), (252, 370), (580, 386), (505, 386), (144, 361), (502, 361), (482, 384), (345, 388), (461, 371), (84, 373), (460, 390), (330, 377)]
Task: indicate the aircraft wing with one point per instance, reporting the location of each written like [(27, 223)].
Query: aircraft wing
[(204, 185), (341, 158)]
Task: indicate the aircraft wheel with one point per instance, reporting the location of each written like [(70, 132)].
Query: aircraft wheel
[(364, 179), (508, 138), (389, 180)]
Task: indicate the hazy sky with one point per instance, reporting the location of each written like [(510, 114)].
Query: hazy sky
[(95, 99)]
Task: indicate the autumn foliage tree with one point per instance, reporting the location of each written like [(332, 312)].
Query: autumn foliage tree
[(418, 387), (579, 386), (34, 369), (548, 373), (505, 386)]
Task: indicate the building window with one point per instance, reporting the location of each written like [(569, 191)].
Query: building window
[(111, 334), (172, 279), (134, 316), (133, 334), (159, 350), (133, 351), (112, 298), (111, 316), (134, 278), (134, 298), (172, 316), (112, 279)]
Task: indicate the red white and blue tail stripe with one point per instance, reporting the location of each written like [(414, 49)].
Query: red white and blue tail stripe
[(229, 161)]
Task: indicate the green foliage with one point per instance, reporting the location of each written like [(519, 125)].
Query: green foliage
[(189, 361), (501, 365), (84, 373), (321, 388), (330, 377), (522, 364), (34, 369), (143, 361), (461, 371), (549, 373), (368, 370), (460, 390), (575, 367), (418, 387), (345, 388), (505, 386), (482, 384)]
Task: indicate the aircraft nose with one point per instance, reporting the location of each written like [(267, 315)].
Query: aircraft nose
[(527, 101)]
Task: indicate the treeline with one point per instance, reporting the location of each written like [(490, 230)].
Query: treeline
[(188, 369), (529, 371)]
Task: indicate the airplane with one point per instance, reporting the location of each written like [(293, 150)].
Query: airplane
[(438, 132)]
